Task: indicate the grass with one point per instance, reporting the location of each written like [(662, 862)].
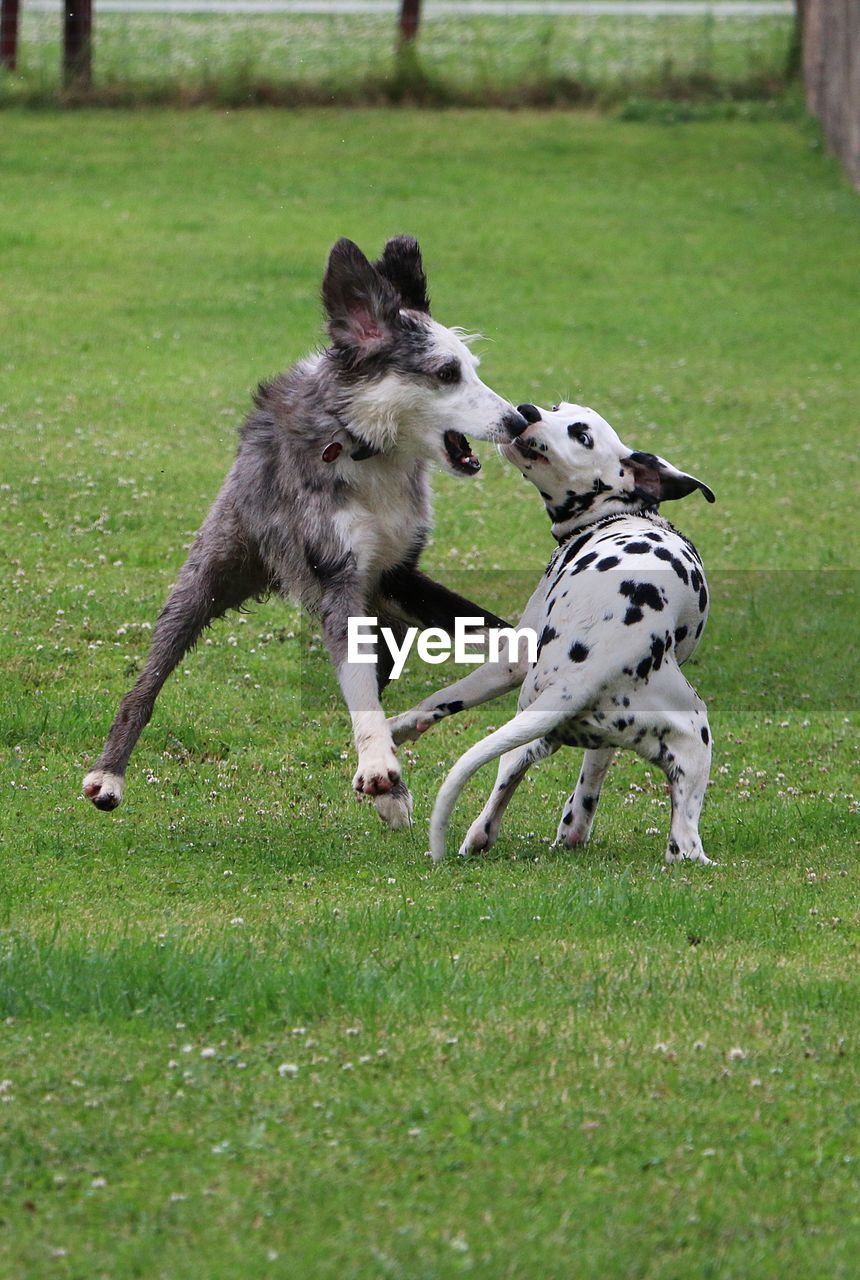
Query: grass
[(533, 1065), (351, 59)]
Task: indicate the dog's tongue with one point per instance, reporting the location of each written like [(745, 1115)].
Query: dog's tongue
[(460, 452)]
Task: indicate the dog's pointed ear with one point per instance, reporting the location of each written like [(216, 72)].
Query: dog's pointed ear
[(402, 266), (658, 481), (361, 307)]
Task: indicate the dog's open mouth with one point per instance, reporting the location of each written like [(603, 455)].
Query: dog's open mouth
[(459, 453), (524, 448)]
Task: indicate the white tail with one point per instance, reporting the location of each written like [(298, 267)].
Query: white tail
[(531, 723)]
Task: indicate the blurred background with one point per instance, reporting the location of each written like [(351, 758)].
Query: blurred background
[(439, 51)]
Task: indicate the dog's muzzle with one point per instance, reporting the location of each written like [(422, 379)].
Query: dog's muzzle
[(516, 422), (530, 413)]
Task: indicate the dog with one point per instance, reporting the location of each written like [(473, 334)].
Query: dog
[(620, 608), (328, 500)]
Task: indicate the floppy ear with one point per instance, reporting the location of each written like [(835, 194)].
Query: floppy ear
[(402, 266), (361, 306), (657, 480)]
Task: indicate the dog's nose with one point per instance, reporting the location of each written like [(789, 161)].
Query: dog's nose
[(530, 412), (514, 423)]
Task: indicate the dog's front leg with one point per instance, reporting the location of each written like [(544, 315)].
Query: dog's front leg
[(482, 685), (378, 772), (486, 682)]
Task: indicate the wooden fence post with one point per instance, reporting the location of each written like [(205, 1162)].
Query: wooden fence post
[(410, 14), (831, 72), (77, 43), (9, 34)]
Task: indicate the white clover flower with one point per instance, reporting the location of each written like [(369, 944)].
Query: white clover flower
[(288, 1069)]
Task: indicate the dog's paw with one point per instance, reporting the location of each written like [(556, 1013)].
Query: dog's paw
[(479, 838), (395, 808), (571, 837), (696, 854), (378, 772), (103, 788), (408, 727)]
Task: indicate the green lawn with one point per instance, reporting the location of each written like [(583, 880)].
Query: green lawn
[(244, 1030)]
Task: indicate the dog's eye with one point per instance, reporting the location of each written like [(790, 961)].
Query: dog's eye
[(555, 408), (449, 373), (580, 433)]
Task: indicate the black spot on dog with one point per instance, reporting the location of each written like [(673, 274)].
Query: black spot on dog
[(574, 505), (588, 804), (699, 629), (567, 820), (637, 548), (548, 634), (663, 553), (654, 536), (673, 848), (680, 634), (695, 579), (608, 562), (572, 550), (578, 651), (642, 593), (583, 562), (706, 737), (451, 707), (703, 600), (658, 648), (620, 723), (644, 668)]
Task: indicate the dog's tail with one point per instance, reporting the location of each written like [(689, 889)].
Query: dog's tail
[(531, 723)]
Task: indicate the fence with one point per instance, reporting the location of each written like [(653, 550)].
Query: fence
[(831, 66), (365, 50)]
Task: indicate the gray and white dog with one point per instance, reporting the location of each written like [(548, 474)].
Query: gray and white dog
[(621, 606), (329, 500)]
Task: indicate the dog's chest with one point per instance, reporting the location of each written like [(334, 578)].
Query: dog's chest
[(383, 520)]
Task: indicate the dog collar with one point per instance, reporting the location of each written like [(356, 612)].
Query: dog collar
[(588, 529), (359, 449)]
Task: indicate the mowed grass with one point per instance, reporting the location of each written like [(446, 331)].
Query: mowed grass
[(248, 1032)]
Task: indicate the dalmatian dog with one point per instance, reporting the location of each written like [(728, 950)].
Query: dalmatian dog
[(620, 608)]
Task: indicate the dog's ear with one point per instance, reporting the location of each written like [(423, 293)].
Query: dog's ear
[(402, 266), (361, 306), (657, 480)]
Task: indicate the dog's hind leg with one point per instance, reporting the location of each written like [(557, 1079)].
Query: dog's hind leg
[(513, 767), (686, 760), (678, 739), (578, 814), (217, 576), (534, 721)]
